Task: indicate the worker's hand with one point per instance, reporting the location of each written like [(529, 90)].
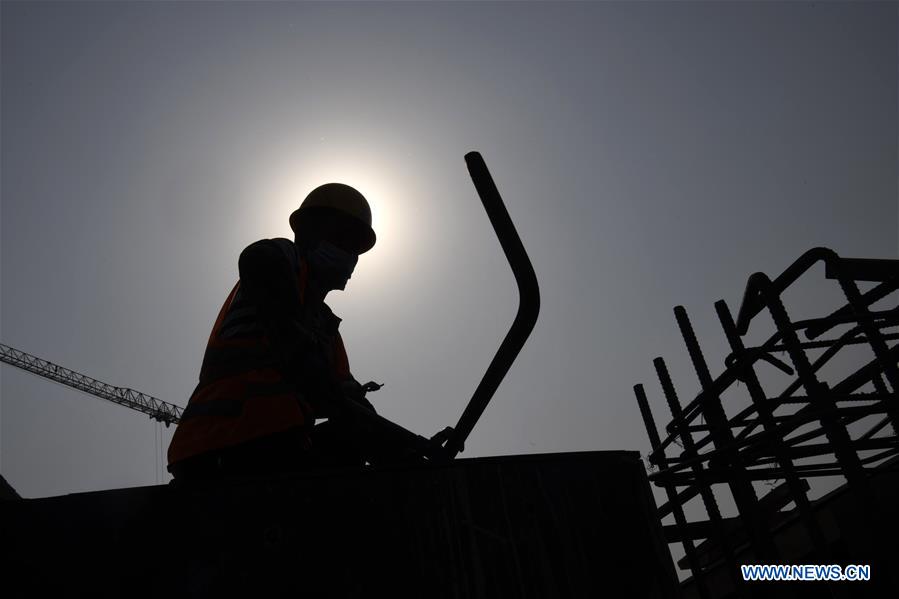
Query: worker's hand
[(371, 386), (352, 390), (443, 436)]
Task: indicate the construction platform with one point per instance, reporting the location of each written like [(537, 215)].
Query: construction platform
[(548, 525)]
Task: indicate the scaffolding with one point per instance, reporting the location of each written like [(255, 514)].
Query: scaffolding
[(724, 442)]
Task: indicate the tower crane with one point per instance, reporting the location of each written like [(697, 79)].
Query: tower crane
[(155, 408)]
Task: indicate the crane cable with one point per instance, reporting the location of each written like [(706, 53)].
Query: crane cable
[(160, 454), (156, 452)]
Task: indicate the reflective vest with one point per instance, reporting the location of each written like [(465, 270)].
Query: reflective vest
[(241, 395)]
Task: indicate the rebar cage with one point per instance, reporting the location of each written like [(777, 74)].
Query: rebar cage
[(773, 436)]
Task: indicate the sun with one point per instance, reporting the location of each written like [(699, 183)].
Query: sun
[(382, 186)]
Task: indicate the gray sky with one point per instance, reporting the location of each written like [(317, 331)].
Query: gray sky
[(651, 154)]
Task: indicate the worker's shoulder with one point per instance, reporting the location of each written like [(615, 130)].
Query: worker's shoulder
[(288, 248), (275, 248)]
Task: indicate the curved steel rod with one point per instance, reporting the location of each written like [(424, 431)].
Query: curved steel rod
[(528, 307), (753, 303)]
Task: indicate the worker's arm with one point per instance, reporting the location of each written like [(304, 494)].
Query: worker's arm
[(269, 279)]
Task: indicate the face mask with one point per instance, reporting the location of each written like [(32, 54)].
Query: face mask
[(332, 265)]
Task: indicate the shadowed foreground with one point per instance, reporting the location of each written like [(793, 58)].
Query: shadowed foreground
[(553, 525)]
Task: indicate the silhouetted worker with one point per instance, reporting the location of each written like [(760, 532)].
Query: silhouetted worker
[(275, 359)]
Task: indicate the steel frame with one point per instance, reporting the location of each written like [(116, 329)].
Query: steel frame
[(738, 444)]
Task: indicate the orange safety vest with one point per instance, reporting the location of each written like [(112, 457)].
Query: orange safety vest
[(241, 395)]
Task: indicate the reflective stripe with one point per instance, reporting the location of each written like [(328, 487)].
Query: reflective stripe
[(238, 311), (239, 319), (241, 330), (222, 362), (261, 388), (233, 407), (230, 408)]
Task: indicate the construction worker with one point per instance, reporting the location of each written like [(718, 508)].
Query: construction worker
[(275, 359)]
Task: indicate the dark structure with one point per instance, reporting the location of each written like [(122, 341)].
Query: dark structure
[(541, 526), (810, 428)]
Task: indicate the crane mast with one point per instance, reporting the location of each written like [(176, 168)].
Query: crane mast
[(151, 406)]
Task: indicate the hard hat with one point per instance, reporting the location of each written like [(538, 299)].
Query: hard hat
[(336, 210)]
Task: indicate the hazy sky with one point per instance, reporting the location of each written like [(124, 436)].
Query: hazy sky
[(651, 154)]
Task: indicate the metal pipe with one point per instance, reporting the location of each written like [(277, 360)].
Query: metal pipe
[(528, 307)]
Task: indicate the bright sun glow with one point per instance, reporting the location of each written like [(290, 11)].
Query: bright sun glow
[(288, 185)]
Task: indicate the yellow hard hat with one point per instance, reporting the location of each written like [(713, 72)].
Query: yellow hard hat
[(335, 210)]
